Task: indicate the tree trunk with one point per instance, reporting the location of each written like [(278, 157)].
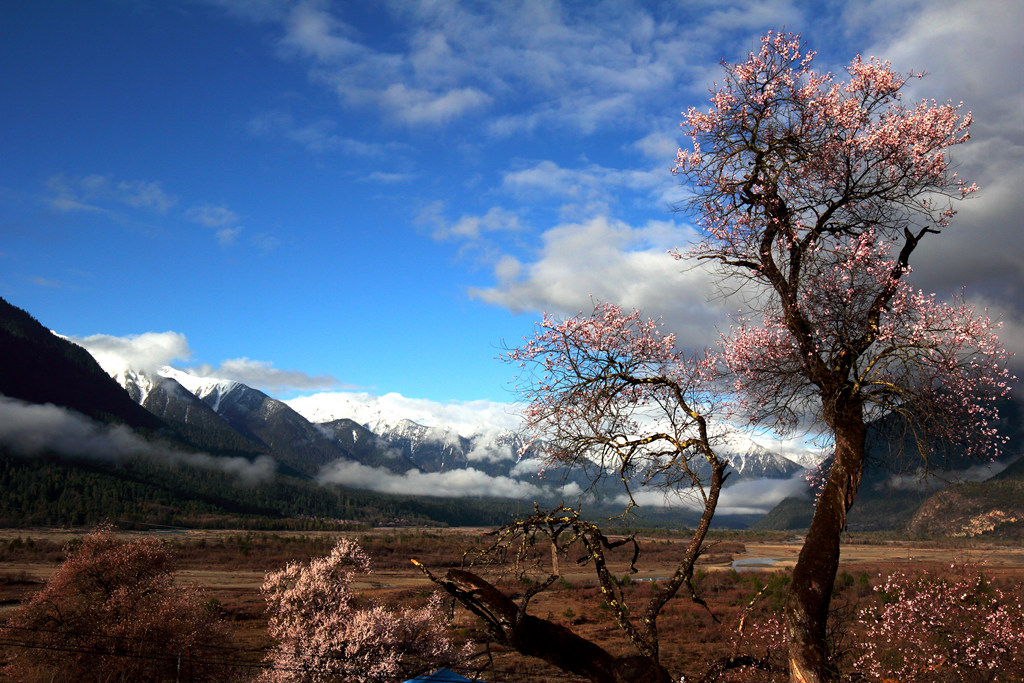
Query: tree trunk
[(544, 639), (810, 591)]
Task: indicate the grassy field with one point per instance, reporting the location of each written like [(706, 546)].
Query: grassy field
[(230, 567)]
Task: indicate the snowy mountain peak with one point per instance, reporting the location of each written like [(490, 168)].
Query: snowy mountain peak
[(137, 384), (394, 413), (764, 463), (203, 387)]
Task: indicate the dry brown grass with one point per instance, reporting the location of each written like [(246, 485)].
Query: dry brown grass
[(230, 567)]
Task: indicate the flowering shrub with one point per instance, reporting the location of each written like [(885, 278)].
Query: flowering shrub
[(931, 628), (111, 612), (324, 634)]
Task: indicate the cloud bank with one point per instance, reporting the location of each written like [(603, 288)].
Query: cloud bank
[(463, 483), (150, 351), (31, 430), (747, 497)]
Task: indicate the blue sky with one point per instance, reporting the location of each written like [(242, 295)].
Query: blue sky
[(339, 195)]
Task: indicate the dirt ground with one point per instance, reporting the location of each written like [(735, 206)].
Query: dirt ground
[(230, 567)]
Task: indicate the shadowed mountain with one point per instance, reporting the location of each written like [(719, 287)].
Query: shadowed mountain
[(187, 415), (40, 367), (291, 438), (957, 493)]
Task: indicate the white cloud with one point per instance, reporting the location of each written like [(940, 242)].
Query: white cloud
[(227, 236), (92, 192), (659, 146), (454, 483), (469, 227), (150, 351), (211, 215), (216, 216), (146, 352), (263, 375), (612, 261), (31, 430)]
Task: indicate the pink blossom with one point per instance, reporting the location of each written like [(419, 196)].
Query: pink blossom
[(325, 631)]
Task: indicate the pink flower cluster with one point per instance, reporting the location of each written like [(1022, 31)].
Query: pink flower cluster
[(611, 388), (106, 608), (931, 628), (790, 152), (938, 364), (325, 633)]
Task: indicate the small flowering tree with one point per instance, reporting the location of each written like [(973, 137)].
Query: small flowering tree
[(938, 628), (608, 393), (813, 194), (324, 634), (112, 612)]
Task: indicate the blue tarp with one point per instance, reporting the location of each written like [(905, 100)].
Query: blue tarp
[(440, 676)]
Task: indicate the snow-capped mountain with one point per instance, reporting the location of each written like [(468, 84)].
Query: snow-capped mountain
[(394, 435), (758, 461), (431, 438), (231, 415), (389, 412), (207, 389)]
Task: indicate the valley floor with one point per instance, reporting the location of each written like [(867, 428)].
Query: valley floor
[(230, 567)]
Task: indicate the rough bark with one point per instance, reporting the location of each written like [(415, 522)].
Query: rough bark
[(536, 637), (810, 592)]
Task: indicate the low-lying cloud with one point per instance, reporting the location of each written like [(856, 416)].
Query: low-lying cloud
[(462, 483), (464, 417), (747, 497), (31, 430), (921, 480)]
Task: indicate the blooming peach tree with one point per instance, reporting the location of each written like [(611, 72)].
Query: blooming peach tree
[(608, 393), (813, 193), (935, 628), (112, 611), (325, 633)]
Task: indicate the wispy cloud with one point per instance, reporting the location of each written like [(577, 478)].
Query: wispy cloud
[(317, 136), (220, 217), (747, 497), (263, 375), (212, 215), (96, 193), (106, 195), (384, 177), (541, 64), (591, 190), (468, 227)]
